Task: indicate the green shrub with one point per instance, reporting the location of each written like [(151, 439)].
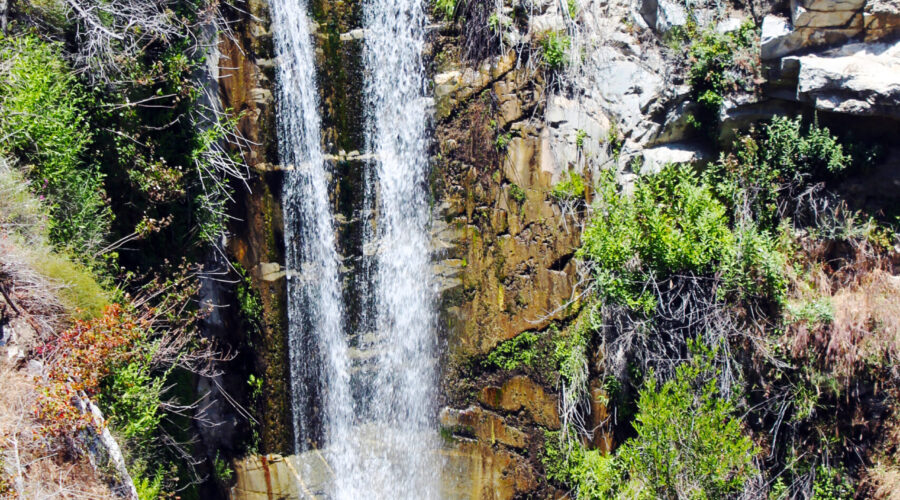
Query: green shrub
[(688, 444), (553, 49), (754, 266), (764, 164), (570, 187), (673, 223), (131, 399), (42, 114), (711, 75)]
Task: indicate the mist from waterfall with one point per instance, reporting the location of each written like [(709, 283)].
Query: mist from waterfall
[(316, 345)]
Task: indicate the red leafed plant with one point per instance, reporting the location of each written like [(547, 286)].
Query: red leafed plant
[(78, 360)]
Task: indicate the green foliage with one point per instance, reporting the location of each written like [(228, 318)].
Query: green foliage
[(131, 399), (224, 472), (580, 135), (517, 193), (553, 49), (255, 384), (763, 164), (711, 74), (518, 351), (494, 22), (613, 142), (572, 6), (502, 141), (150, 488), (831, 484), (82, 296), (673, 223), (44, 119), (818, 311), (570, 187), (446, 7), (688, 444), (249, 301), (754, 266)]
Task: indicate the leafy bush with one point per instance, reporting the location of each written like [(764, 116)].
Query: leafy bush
[(673, 223), (711, 74), (131, 397), (42, 114), (553, 49), (763, 167), (688, 444)]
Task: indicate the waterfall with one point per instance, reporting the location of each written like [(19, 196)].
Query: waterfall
[(316, 344), (394, 450), (364, 398)]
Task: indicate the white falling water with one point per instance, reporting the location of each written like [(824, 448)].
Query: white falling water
[(317, 349), (378, 427), (392, 454)]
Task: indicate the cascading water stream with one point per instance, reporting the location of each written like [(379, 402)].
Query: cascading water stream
[(316, 344), (393, 451), (376, 419)]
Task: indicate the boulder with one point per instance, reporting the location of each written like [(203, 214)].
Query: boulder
[(663, 15), (658, 157)]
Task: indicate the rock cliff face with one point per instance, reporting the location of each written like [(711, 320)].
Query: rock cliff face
[(247, 86), (506, 131)]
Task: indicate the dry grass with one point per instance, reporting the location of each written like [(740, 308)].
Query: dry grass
[(34, 471), (845, 308)]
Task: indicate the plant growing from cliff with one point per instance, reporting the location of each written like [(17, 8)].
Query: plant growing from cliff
[(613, 142), (513, 353), (671, 224), (767, 170), (518, 194), (712, 74), (570, 186), (44, 120), (688, 444), (446, 7), (580, 135), (502, 141), (553, 49)]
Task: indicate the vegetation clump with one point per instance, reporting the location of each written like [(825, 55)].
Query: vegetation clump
[(554, 48), (688, 444)]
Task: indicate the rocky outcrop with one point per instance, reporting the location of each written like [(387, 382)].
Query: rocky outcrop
[(816, 23), (471, 470), (858, 78)]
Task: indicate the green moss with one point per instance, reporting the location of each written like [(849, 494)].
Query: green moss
[(517, 193), (516, 352)]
